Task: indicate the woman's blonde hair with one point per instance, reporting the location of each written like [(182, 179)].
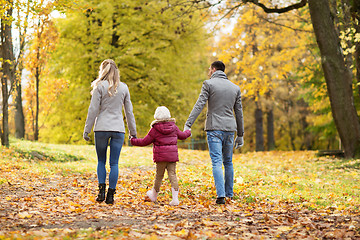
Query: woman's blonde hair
[(108, 71)]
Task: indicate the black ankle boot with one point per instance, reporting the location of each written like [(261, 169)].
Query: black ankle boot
[(101, 195), (220, 200), (110, 196)]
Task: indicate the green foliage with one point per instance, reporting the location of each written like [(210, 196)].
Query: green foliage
[(159, 54)]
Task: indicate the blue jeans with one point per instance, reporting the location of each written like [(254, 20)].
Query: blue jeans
[(221, 150), (101, 145)]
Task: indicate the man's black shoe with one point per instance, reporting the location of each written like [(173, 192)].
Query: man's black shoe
[(220, 200)]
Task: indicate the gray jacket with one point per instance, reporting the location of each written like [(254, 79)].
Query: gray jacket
[(106, 111), (224, 99)]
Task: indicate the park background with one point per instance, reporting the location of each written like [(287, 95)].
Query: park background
[(297, 64), (163, 51)]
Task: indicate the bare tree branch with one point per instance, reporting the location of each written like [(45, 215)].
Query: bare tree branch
[(301, 4), (190, 5)]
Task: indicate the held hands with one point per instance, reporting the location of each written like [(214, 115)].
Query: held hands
[(132, 136), (86, 136), (187, 128), (239, 142)]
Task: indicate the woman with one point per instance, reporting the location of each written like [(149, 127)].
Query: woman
[(105, 110)]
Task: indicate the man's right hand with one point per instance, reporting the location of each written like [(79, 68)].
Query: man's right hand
[(186, 128), (239, 142)]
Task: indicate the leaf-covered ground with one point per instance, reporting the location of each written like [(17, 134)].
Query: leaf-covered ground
[(48, 192)]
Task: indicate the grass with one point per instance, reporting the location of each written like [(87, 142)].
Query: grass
[(299, 177)]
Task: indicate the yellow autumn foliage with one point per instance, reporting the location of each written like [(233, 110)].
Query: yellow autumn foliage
[(265, 48)]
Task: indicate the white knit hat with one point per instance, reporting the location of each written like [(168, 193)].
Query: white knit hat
[(162, 113)]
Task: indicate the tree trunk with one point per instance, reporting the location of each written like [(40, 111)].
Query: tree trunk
[(7, 76), (37, 79), (270, 130), (338, 78), (307, 139), (291, 134), (304, 132), (259, 130), (19, 114)]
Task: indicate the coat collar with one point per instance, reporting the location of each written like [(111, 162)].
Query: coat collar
[(219, 74)]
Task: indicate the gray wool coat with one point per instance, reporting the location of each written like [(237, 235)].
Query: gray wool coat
[(105, 111), (224, 100)]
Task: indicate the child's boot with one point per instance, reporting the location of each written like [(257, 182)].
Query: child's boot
[(175, 197), (101, 195), (152, 194)]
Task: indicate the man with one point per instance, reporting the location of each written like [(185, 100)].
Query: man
[(224, 99)]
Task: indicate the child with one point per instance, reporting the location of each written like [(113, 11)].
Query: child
[(163, 134)]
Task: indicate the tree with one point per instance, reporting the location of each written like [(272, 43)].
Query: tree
[(259, 129), (320, 122), (43, 42), (23, 13), (158, 53), (337, 76), (13, 71), (8, 66), (270, 130)]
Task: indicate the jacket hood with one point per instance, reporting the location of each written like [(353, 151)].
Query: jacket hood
[(219, 74), (165, 127), (163, 120)]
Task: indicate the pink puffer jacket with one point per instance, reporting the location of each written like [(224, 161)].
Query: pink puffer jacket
[(163, 136)]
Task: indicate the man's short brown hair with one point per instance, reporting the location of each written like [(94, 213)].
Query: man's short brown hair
[(218, 65)]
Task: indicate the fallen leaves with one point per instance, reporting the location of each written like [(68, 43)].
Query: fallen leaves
[(24, 215), (61, 203)]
